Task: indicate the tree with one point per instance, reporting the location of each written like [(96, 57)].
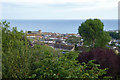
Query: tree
[(114, 35), (119, 35), (15, 53), (0, 50), (103, 40), (92, 32), (21, 61), (29, 32)]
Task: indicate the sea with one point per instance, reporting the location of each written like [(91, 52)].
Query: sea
[(57, 26)]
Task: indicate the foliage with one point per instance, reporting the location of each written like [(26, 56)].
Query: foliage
[(113, 44), (115, 35), (0, 50), (15, 53), (20, 60), (92, 32), (29, 31), (65, 66), (103, 40), (105, 57)]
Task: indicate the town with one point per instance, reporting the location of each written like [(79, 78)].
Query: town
[(66, 41)]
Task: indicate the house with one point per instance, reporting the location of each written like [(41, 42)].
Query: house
[(64, 47), (34, 34)]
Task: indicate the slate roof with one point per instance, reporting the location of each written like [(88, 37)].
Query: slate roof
[(62, 46)]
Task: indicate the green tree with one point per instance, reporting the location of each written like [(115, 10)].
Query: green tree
[(41, 61), (92, 32), (114, 35), (15, 53), (103, 40), (29, 32), (0, 50), (119, 35)]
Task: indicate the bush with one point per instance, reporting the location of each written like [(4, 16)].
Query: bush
[(15, 53), (20, 60), (66, 66), (105, 57)]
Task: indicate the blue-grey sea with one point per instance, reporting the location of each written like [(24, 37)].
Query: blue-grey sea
[(58, 26)]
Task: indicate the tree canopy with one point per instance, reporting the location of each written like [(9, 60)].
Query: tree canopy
[(92, 32), (115, 35)]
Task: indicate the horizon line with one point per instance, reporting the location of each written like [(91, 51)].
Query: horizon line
[(58, 19)]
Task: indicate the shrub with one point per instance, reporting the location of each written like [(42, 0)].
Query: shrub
[(22, 61), (105, 57), (15, 53), (65, 66)]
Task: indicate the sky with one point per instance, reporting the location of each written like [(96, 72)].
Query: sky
[(58, 9)]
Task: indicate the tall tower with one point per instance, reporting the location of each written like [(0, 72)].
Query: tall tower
[(40, 32)]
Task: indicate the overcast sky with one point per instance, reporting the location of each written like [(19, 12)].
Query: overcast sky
[(58, 9)]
